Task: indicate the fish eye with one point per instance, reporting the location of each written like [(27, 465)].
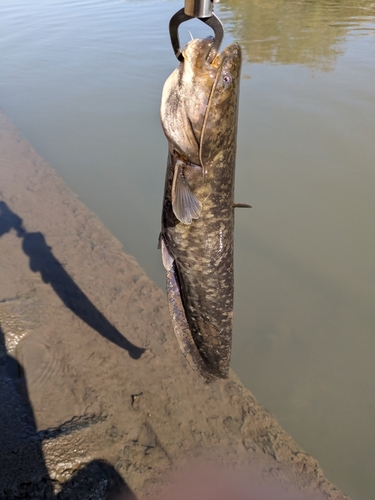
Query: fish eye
[(227, 79)]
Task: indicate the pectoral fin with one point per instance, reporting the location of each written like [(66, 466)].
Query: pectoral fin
[(185, 205)]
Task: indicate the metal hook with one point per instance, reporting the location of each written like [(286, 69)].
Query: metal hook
[(199, 8), (213, 22)]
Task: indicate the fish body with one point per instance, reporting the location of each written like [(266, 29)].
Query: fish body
[(199, 116)]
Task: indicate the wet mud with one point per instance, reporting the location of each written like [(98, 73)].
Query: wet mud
[(97, 401)]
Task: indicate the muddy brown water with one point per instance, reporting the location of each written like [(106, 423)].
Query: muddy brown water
[(82, 81)]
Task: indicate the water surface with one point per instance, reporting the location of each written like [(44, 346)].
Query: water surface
[(82, 80)]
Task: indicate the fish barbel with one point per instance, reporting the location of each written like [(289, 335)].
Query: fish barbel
[(199, 112)]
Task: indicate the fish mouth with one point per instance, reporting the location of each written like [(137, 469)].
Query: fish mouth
[(205, 45), (232, 51), (188, 91)]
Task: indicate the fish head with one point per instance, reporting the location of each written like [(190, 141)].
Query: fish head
[(193, 94), (219, 129)]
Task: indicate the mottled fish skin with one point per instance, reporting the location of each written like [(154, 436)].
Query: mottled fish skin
[(199, 117)]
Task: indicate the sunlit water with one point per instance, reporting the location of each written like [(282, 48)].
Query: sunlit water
[(82, 80)]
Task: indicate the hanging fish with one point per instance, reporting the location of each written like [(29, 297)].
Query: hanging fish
[(199, 111)]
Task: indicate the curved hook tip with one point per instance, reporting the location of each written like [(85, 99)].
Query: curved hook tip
[(213, 22)]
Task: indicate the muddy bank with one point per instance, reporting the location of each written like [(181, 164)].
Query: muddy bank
[(95, 393)]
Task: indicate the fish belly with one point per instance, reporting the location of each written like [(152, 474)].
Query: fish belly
[(203, 265)]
